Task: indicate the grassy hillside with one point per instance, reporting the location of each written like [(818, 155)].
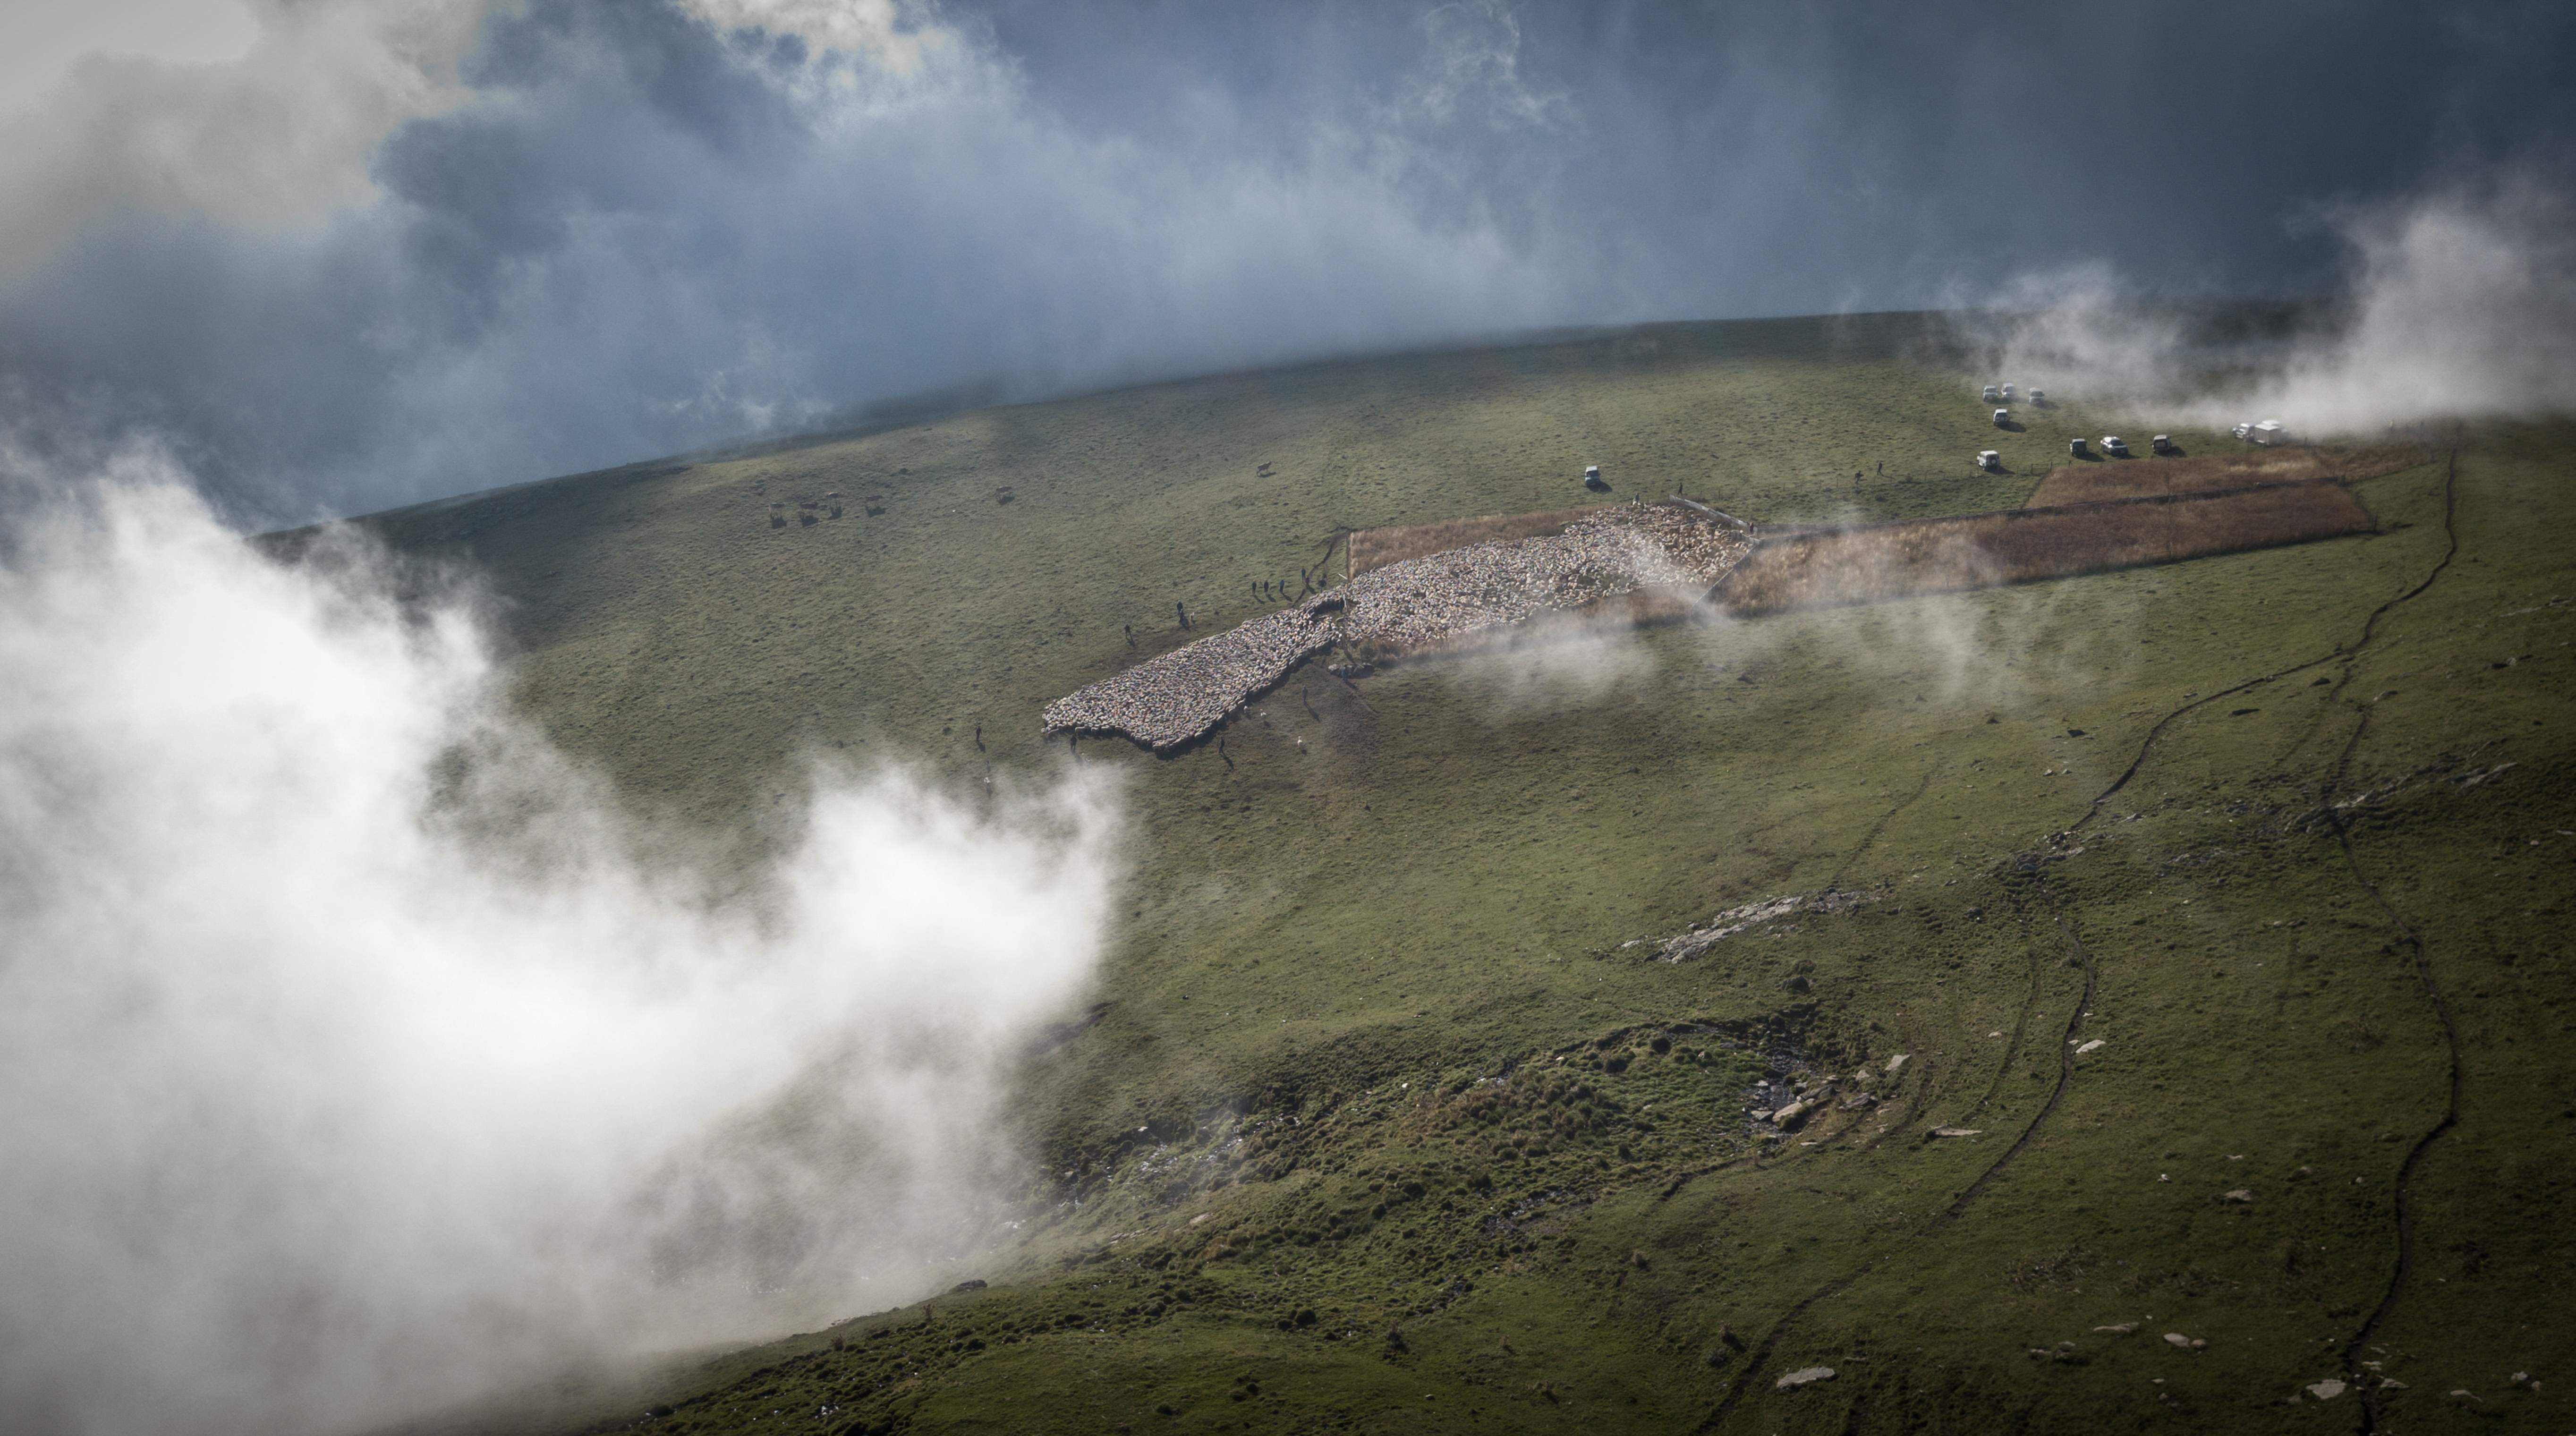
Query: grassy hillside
[(1429, 1140)]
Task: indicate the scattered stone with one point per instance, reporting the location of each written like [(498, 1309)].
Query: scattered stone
[(1698, 940), (2391, 1383), (1804, 1376), (1203, 1216), (1788, 1116), (1897, 1061), (2122, 1329), (2177, 1339), (1956, 1131), (2523, 1380), (2240, 1195), (2089, 1046), (2326, 1390)]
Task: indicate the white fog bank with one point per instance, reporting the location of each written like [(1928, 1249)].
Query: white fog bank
[(356, 1051), (2457, 304)]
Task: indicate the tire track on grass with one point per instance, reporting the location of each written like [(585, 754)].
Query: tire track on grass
[(1835, 882), (2369, 630), (2402, 1191), (1760, 1357), (2065, 1053), (2021, 1020)]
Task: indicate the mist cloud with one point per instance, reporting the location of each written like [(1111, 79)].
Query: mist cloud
[(2456, 305), (2463, 306), (411, 247), (356, 1050)]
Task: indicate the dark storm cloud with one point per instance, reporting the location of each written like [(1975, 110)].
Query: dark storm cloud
[(619, 230)]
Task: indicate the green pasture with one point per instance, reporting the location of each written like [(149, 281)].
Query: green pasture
[(1382, 998)]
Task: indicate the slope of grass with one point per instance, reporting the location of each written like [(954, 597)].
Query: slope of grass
[(1383, 1002)]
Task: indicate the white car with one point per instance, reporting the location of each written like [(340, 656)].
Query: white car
[(2113, 445), (2007, 392), (1991, 393), (2038, 398), (2243, 429), (1989, 460), (2003, 418)]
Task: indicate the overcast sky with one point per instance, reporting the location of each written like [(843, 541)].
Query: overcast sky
[(338, 256)]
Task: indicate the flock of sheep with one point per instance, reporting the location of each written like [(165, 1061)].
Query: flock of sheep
[(1406, 607)]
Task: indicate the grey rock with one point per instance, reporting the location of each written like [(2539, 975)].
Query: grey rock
[(1804, 1376)]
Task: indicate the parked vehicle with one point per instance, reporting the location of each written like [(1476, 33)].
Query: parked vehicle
[(2039, 398), (1989, 460), (2268, 432), (2115, 446), (2075, 447), (2161, 443), (1592, 477), (2007, 392), (1992, 393), (2003, 418)]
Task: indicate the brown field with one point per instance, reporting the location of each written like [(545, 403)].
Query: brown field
[(1868, 562), (1376, 548), (2148, 475)]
